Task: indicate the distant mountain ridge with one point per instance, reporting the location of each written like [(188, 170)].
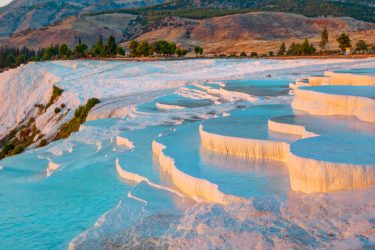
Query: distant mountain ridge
[(22, 15), (362, 10), (219, 25)]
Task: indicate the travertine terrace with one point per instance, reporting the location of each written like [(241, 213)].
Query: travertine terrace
[(318, 162)]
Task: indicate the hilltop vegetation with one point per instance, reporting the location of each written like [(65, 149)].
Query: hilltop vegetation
[(213, 8)]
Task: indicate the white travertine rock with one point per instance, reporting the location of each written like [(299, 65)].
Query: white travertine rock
[(290, 129), (52, 167), (335, 78), (318, 103), (251, 148), (351, 79), (306, 174), (195, 188), (128, 175), (310, 175), (319, 80), (136, 178), (163, 106), (122, 141)]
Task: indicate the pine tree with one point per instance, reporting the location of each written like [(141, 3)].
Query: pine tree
[(361, 46), (344, 41), (282, 50), (111, 46), (324, 39)]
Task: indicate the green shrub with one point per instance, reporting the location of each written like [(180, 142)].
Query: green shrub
[(55, 95), (40, 106), (80, 116), (6, 150), (18, 150), (57, 110), (42, 143)]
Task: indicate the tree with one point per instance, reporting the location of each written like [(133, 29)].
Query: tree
[(80, 50), (172, 48), (344, 41), (162, 47), (181, 52), (50, 52), (324, 39), (20, 59), (120, 51), (243, 54), (307, 49), (253, 54), (133, 48), (361, 46), (270, 53), (198, 50), (304, 49), (282, 49), (99, 50), (144, 49), (111, 47), (64, 51)]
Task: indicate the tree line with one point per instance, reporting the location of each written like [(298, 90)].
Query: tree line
[(11, 57), (306, 49), (81, 50), (159, 48)]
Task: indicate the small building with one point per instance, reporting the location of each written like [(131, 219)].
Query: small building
[(347, 51)]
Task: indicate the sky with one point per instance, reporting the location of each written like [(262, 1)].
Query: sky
[(4, 2)]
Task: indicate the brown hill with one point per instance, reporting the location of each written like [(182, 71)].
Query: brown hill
[(88, 28), (21, 15), (256, 31)]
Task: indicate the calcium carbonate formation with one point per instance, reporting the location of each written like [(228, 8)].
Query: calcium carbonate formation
[(317, 163), (196, 188)]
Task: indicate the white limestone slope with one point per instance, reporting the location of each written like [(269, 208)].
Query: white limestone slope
[(25, 86), (20, 90), (326, 103), (195, 188)]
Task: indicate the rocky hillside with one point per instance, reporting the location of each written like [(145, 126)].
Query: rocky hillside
[(361, 10), (87, 27), (23, 15), (256, 31), (219, 26)]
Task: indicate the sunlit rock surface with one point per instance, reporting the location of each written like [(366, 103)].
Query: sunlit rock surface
[(356, 101), (323, 160), (139, 175), (332, 163)]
